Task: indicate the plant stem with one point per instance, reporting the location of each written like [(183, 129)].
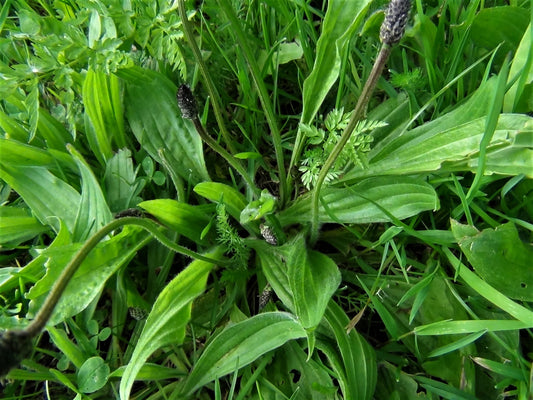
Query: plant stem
[(215, 98), (357, 115), (263, 97), (227, 156), (44, 314)]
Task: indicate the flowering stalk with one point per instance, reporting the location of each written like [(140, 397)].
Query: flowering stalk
[(187, 105), (391, 32), (16, 345)]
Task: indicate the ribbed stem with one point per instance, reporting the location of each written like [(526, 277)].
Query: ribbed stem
[(44, 314), (215, 99), (357, 115)]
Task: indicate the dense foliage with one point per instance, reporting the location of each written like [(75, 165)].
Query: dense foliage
[(216, 286)]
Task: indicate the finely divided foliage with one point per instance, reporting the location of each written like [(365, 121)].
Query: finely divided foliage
[(266, 200)]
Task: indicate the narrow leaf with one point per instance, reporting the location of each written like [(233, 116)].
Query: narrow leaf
[(169, 316), (401, 196), (216, 192), (93, 212), (240, 344), (183, 218)]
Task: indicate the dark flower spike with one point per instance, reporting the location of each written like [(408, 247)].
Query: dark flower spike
[(393, 26), (187, 102)]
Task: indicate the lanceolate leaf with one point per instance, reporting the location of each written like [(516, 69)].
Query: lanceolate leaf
[(313, 278), (216, 192), (152, 111), (352, 358), (452, 141), (272, 261), (49, 197), (240, 344), (17, 225), (101, 97), (88, 281), (183, 218), (93, 212), (400, 196), (169, 316), (341, 20)]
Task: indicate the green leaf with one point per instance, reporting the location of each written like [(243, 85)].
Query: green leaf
[(423, 151), (101, 98), (153, 114), (469, 326), (183, 218), (169, 316), (313, 278), (401, 196), (340, 23), (17, 226), (50, 198), (218, 192), (89, 280), (309, 379), (458, 344), (257, 209), (72, 351), (240, 344), (92, 375), (342, 19), (35, 269), (453, 137), (518, 98), (272, 260), (282, 54), (19, 154), (514, 309), (352, 359), (50, 129), (93, 212), (499, 257), (121, 185), (491, 28)]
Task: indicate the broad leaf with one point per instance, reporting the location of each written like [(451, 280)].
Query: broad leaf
[(519, 97), (341, 21), (313, 278), (102, 101), (425, 150), (216, 192), (272, 260), (50, 198), (90, 278), (17, 226), (183, 218), (169, 317), (121, 185), (93, 212), (401, 196), (152, 111), (499, 257), (92, 375), (240, 344)]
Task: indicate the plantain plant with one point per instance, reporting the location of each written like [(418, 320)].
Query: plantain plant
[(265, 199)]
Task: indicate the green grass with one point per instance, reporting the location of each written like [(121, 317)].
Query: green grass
[(418, 282)]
